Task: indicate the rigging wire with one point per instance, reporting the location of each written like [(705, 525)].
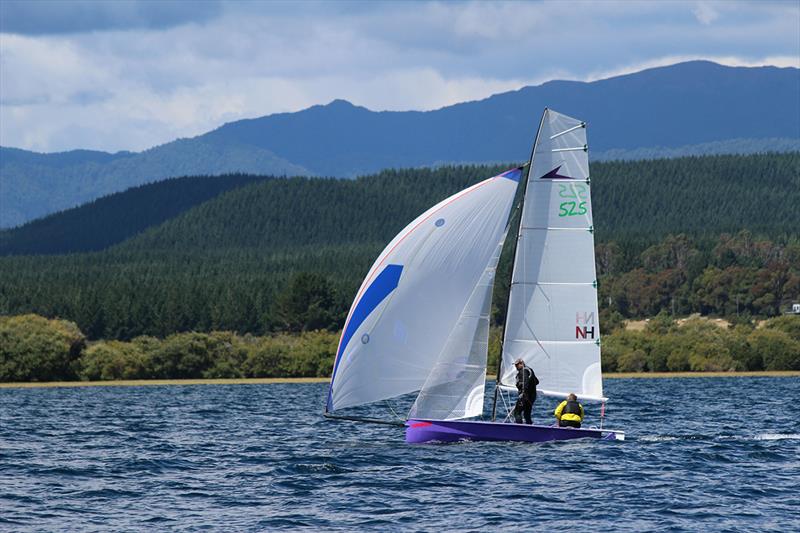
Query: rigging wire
[(505, 406), (398, 417)]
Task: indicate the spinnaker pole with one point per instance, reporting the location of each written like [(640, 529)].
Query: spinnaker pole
[(520, 207)]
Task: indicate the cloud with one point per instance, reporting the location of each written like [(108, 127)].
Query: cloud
[(705, 13), (152, 117), (43, 17), (123, 77)]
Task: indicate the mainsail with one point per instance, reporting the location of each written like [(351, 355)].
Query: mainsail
[(552, 320), (419, 298)]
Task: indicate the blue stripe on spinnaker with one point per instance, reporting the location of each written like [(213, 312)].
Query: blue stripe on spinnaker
[(377, 291), (514, 174)]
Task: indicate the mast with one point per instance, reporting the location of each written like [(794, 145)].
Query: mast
[(513, 261)]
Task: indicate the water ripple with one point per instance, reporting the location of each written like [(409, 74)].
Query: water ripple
[(260, 457)]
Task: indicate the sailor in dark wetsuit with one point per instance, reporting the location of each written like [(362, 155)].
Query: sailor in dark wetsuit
[(569, 413), (526, 386)]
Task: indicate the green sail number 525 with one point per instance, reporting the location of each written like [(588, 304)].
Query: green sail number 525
[(571, 209)]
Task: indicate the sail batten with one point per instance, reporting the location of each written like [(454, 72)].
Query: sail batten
[(583, 148), (533, 228), (551, 283), (568, 130)]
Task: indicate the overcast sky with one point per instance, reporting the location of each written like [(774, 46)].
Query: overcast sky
[(128, 75)]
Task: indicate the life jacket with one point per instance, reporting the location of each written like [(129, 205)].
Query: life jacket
[(572, 408), (572, 411)]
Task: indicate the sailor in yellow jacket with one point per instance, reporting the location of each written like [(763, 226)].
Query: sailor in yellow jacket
[(569, 413)]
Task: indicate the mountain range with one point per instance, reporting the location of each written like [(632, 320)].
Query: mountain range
[(695, 107)]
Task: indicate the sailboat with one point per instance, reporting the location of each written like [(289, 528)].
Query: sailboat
[(420, 320)]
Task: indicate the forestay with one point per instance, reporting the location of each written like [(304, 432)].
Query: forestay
[(413, 304), (552, 320)]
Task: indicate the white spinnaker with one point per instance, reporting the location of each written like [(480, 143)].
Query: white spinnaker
[(552, 320), (414, 294), (455, 387)]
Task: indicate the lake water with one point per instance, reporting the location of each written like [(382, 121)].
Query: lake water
[(707, 454)]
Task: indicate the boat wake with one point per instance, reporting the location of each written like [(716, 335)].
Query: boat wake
[(778, 436), (761, 436)]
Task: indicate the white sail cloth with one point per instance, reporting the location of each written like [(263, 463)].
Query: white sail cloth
[(552, 320), (455, 387), (416, 292)]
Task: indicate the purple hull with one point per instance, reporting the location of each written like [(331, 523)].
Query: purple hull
[(420, 430)]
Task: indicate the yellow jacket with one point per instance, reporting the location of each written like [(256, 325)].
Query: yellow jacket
[(568, 416)]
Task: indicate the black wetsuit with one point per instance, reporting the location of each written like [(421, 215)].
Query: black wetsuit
[(526, 386)]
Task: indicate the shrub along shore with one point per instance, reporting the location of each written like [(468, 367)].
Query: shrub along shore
[(37, 349)]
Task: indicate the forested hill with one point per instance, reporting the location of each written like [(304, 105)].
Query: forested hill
[(640, 201), (114, 218), (288, 254), (633, 201), (34, 185)]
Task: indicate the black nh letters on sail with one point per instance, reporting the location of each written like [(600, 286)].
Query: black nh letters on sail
[(584, 332)]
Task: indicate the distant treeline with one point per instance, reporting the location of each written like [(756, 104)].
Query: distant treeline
[(698, 345), (124, 296), (735, 276), (33, 348), (288, 254)]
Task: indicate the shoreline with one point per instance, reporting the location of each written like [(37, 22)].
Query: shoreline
[(738, 374), (274, 381)]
